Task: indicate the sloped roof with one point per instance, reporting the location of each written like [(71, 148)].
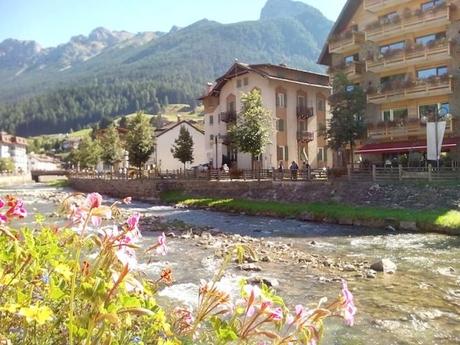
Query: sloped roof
[(351, 6), (270, 71), (169, 127)]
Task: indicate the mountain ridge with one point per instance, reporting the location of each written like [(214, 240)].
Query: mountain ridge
[(117, 72)]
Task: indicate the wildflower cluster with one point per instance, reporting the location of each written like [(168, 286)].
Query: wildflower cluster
[(79, 284)]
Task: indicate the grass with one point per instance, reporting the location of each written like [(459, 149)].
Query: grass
[(440, 218), (58, 183)]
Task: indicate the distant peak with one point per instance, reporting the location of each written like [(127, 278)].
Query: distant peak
[(174, 28), (100, 33), (286, 8)]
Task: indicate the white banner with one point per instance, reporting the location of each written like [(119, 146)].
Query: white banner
[(432, 155)]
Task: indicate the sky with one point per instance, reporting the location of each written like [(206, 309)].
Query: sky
[(51, 22)]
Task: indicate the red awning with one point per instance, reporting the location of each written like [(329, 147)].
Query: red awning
[(405, 146)]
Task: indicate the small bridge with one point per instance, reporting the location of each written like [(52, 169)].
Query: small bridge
[(37, 173)]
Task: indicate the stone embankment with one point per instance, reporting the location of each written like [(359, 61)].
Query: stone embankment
[(14, 180)]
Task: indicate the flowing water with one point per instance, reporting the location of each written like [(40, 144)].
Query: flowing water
[(419, 304)]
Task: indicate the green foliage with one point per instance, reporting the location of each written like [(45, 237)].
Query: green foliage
[(140, 140), (112, 151), (348, 104), (7, 164), (87, 155), (183, 147), (253, 127)]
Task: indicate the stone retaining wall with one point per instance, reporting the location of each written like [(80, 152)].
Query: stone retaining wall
[(10, 180)]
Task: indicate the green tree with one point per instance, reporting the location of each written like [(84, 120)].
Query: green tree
[(112, 148), (183, 147), (139, 140), (7, 164), (123, 122), (348, 104), (253, 127), (88, 153)]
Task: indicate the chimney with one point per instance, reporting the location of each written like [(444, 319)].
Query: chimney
[(208, 88)]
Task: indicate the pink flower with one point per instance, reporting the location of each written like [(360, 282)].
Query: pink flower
[(96, 221), (2, 203), (127, 256), (161, 244), (17, 209), (3, 219), (349, 306), (299, 310), (94, 200), (127, 200), (133, 221), (276, 314)]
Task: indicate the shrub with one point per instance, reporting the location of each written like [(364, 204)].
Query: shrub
[(78, 284)]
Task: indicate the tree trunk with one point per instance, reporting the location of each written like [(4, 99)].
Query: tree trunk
[(351, 155)]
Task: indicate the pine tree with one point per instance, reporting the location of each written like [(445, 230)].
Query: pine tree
[(183, 147), (348, 104), (113, 150), (139, 141), (254, 126)]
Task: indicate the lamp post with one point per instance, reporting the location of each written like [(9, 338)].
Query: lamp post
[(215, 142)]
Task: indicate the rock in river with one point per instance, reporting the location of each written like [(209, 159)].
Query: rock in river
[(384, 265)]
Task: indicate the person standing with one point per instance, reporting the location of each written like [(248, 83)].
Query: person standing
[(294, 168)]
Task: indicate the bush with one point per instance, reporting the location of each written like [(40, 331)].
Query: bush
[(78, 284)]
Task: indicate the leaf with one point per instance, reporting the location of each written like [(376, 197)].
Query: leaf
[(37, 314)]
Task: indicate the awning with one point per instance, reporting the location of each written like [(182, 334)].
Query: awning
[(404, 146)]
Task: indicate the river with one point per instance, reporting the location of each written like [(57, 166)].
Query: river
[(419, 304)]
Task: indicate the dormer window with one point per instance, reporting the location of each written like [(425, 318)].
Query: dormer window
[(351, 58)]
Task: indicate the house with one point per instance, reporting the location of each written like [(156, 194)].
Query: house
[(162, 158), (297, 101), (14, 148), (405, 55), (44, 163)]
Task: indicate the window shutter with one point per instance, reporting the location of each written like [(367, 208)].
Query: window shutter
[(286, 153), (279, 153), (277, 100)]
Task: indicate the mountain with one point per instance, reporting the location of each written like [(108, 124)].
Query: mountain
[(107, 73)]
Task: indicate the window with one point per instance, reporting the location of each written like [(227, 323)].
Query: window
[(429, 110), (281, 100), (246, 81), (211, 120), (238, 83), (392, 47), (301, 101), (432, 72), (321, 104), (231, 107), (392, 78), (280, 125), (351, 58), (211, 137), (280, 153), (286, 153), (424, 40), (399, 115), (320, 155), (430, 4), (302, 125), (389, 18)]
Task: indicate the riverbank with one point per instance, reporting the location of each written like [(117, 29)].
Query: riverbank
[(438, 220)]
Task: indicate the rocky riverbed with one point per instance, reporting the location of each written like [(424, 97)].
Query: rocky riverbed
[(418, 303)]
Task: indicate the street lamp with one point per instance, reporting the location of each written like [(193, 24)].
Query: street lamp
[(215, 141), (439, 115)]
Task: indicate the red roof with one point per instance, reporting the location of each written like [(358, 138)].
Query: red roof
[(405, 146)]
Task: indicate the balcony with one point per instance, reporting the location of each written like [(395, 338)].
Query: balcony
[(435, 52), (305, 136), (228, 116), (348, 41), (401, 131), (409, 22), (380, 5), (304, 112), (351, 70), (398, 91)]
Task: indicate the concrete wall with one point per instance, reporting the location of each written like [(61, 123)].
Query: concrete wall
[(11, 180)]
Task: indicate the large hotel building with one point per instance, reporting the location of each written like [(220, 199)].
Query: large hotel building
[(406, 57)]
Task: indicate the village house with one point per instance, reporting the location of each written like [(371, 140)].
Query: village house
[(297, 101), (44, 162), (14, 148), (162, 158), (405, 55)]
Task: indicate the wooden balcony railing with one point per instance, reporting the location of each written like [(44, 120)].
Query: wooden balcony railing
[(438, 51), (378, 5), (401, 131), (421, 88), (411, 22), (304, 112), (228, 116), (305, 136), (351, 70), (347, 41)]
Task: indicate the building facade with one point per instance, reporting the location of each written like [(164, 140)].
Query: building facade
[(404, 54), (14, 148), (297, 101), (162, 158)]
